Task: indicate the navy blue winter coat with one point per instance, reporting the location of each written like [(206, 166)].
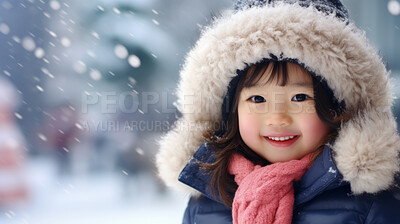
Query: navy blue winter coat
[(320, 197)]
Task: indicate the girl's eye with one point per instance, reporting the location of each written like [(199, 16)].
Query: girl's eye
[(257, 99), (301, 97)]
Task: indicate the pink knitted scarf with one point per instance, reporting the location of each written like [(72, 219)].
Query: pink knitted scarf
[(265, 194)]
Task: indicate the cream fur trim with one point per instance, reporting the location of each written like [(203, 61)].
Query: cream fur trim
[(366, 151), (327, 46)]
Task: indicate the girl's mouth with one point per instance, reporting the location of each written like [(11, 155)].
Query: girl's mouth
[(282, 141)]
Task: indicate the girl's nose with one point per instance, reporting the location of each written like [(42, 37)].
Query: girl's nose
[(278, 119)]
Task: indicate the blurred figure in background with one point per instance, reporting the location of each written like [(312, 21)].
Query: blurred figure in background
[(13, 182), (59, 133)]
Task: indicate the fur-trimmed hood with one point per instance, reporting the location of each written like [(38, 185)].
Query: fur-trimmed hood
[(367, 148)]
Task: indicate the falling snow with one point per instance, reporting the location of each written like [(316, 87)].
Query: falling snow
[(91, 53), (120, 51), (4, 28), (331, 170), (56, 58), (39, 52), (140, 151), (52, 33), (79, 126), (16, 39), (80, 67), (65, 42), (116, 11), (134, 61), (39, 88), (394, 7), (47, 72), (100, 8), (95, 74), (47, 15), (7, 73), (42, 137), (132, 80), (8, 215), (17, 115), (28, 43), (55, 5), (96, 35)]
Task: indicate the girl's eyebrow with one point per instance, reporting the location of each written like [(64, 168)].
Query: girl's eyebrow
[(301, 84), (295, 84)]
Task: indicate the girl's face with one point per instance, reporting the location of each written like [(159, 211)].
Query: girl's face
[(280, 123)]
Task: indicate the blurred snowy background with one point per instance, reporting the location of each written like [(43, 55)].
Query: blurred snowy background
[(86, 87)]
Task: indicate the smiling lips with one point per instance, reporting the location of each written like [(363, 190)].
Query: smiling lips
[(282, 141)]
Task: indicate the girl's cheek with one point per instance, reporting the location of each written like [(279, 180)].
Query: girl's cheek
[(315, 127), (247, 126)]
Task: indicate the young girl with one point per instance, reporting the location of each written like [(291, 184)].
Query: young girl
[(286, 119)]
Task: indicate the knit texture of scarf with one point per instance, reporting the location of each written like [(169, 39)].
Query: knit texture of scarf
[(265, 194)]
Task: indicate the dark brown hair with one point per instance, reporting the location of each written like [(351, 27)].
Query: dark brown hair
[(329, 110)]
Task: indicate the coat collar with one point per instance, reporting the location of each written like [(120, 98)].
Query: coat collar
[(193, 176), (323, 175)]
